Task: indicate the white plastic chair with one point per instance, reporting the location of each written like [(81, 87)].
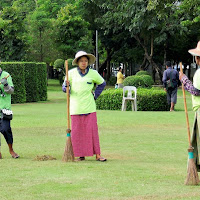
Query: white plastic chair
[(130, 97)]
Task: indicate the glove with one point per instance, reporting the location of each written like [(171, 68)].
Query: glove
[(4, 81)]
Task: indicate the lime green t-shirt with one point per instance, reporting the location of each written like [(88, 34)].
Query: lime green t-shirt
[(81, 97), (196, 83), (5, 99)]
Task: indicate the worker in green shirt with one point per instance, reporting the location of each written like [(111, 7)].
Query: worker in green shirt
[(84, 133), (6, 89)]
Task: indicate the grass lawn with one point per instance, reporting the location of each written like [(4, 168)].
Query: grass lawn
[(146, 152)]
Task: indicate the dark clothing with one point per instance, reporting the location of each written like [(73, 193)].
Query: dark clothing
[(171, 92), (172, 95), (174, 77), (5, 129)]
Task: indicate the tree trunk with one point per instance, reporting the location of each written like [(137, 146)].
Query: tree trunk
[(150, 57), (106, 65)]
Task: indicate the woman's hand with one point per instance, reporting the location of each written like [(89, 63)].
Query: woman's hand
[(67, 83)]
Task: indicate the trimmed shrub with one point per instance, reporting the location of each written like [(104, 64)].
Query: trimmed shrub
[(59, 63), (42, 81), (140, 73), (29, 79), (31, 82), (144, 81), (16, 70), (153, 99)]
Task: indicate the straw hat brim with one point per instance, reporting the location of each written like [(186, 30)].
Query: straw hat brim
[(91, 57), (194, 52)]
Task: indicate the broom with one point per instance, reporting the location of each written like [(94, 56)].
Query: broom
[(192, 174), (0, 133), (68, 153)]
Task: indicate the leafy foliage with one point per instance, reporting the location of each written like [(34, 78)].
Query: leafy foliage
[(144, 81), (72, 32), (142, 73), (59, 63)]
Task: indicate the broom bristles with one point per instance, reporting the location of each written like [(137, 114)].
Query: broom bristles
[(68, 153), (192, 174)]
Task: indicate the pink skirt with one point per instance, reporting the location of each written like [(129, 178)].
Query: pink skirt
[(84, 135)]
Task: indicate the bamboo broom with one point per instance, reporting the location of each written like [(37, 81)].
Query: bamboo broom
[(68, 153), (192, 174)]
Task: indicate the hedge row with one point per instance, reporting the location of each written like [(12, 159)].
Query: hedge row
[(29, 79), (153, 99)]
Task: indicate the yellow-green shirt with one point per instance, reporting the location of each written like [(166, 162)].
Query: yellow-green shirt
[(120, 78), (81, 97), (196, 83)]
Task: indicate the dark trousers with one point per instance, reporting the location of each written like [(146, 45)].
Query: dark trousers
[(172, 95), (5, 129)]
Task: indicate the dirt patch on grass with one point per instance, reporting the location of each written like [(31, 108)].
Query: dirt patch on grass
[(44, 158)]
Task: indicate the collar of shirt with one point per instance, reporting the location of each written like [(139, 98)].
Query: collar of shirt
[(86, 71)]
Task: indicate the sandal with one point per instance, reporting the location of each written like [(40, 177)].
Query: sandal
[(15, 156), (80, 159), (101, 159)]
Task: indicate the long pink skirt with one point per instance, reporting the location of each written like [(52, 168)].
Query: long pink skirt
[(84, 135)]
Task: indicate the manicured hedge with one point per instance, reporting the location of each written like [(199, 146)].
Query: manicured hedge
[(31, 82), (153, 99), (144, 81), (16, 70), (29, 79), (42, 81)]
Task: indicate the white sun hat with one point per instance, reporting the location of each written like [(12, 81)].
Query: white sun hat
[(79, 54), (196, 51)]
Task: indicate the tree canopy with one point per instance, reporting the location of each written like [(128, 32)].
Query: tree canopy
[(130, 31)]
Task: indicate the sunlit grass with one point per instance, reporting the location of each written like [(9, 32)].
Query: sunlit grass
[(146, 152)]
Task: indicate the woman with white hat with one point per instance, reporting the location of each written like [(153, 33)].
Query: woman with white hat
[(84, 129), (194, 89)]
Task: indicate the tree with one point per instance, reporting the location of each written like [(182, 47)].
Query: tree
[(72, 32), (12, 45), (144, 20)]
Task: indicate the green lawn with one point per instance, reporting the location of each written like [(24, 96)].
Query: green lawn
[(146, 152)]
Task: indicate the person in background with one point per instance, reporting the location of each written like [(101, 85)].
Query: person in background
[(6, 89), (194, 90), (120, 78), (84, 129), (170, 83)]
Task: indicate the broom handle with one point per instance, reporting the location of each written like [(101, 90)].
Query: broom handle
[(67, 83), (186, 112)]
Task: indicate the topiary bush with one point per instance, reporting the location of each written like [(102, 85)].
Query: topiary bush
[(144, 81), (140, 73), (153, 99), (59, 64)]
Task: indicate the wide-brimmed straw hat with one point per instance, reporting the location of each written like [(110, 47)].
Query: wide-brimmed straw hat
[(196, 51), (83, 53)]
